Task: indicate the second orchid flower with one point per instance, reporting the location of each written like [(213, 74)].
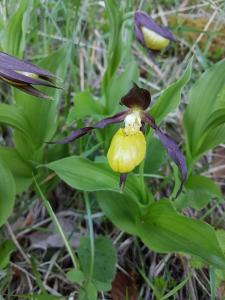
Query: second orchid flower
[(149, 34)]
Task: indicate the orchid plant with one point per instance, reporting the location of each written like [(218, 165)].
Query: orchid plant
[(158, 223), (128, 146)]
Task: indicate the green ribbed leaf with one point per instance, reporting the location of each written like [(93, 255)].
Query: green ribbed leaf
[(162, 229), (203, 118), (170, 98), (13, 116), (83, 174), (7, 192)]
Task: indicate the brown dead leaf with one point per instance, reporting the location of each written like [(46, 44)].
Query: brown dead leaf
[(16, 272), (51, 239), (221, 291), (28, 220), (124, 286)]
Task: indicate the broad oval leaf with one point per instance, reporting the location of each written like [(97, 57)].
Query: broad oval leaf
[(88, 292), (83, 174), (104, 261), (164, 230), (199, 191), (7, 192), (6, 248), (122, 210)]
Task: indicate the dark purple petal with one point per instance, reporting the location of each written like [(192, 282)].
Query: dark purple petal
[(18, 78), (142, 127), (82, 131), (143, 20), (119, 117), (172, 149), (137, 97), (73, 136), (123, 177), (13, 63), (138, 32), (23, 75), (32, 91)]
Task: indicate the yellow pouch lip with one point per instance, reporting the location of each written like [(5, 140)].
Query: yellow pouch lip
[(126, 151), (153, 40)]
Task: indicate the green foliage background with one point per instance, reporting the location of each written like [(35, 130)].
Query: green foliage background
[(60, 36)]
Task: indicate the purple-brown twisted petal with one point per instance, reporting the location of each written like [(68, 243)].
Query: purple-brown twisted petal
[(136, 97), (10, 62), (23, 75), (143, 20), (119, 117), (73, 136), (21, 79), (172, 149)]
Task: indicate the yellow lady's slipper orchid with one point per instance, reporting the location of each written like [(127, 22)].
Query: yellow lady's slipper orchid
[(128, 146)]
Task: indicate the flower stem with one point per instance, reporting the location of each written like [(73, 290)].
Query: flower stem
[(212, 283), (142, 182), (91, 232), (57, 225)]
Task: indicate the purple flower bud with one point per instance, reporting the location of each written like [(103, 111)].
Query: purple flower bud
[(24, 75), (149, 34)]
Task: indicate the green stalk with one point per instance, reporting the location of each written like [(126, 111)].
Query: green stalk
[(142, 181), (91, 232), (212, 283), (57, 225)]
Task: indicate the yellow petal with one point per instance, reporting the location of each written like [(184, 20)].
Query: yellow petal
[(126, 151), (153, 40)]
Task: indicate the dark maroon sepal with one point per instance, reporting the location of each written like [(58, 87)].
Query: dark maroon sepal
[(12, 63), (29, 89), (142, 127), (136, 97), (123, 178), (18, 78), (143, 20), (119, 117), (172, 149), (73, 136), (10, 73)]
